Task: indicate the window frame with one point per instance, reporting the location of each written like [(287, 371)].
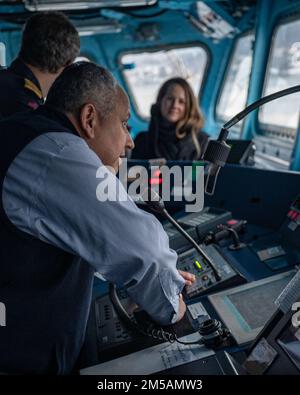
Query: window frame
[(157, 49), (221, 89), (268, 130)]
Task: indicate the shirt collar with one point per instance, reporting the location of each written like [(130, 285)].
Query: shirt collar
[(58, 116)]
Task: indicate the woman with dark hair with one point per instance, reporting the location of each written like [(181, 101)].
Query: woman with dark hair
[(175, 126)]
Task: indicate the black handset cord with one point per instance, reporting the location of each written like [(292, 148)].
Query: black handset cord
[(122, 313), (158, 334)]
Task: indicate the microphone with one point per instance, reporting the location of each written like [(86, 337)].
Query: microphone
[(156, 204), (217, 150), (216, 153)]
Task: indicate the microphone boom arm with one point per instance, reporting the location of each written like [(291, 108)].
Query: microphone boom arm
[(156, 204), (260, 102), (193, 242), (217, 150)]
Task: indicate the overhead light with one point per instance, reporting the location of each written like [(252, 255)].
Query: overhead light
[(98, 27), (58, 5), (210, 23)]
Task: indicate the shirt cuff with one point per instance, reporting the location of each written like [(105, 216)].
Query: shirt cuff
[(172, 285)]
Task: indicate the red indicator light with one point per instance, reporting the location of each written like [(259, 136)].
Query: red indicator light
[(232, 222), (294, 215), (155, 181)]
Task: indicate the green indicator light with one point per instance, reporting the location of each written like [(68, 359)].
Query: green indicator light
[(198, 265)]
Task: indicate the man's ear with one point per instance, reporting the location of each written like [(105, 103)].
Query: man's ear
[(88, 120)]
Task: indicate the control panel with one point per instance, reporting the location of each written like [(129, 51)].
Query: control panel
[(197, 225), (205, 221), (109, 328), (112, 333), (282, 249), (206, 282)]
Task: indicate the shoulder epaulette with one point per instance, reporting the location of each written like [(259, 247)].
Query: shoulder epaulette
[(32, 87)]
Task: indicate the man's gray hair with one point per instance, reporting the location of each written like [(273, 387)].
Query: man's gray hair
[(82, 83)]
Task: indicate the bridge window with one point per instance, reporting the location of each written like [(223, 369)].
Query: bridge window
[(145, 72), (234, 92), (280, 118)]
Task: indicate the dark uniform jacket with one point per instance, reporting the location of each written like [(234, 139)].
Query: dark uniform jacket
[(46, 291), (19, 89)]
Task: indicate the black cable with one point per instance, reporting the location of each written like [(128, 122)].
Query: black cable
[(122, 313), (154, 333), (200, 341), (156, 204)]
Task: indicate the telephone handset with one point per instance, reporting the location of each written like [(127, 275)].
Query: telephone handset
[(212, 334), (140, 323)]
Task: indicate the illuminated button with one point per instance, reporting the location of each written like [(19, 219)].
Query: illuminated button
[(290, 213), (197, 265), (205, 278)]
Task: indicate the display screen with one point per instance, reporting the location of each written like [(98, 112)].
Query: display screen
[(255, 306), (246, 309)]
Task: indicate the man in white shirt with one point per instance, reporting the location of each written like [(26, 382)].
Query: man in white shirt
[(51, 218)]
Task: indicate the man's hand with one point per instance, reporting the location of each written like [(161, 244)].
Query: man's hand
[(188, 277)]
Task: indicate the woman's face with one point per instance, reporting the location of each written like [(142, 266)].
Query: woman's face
[(173, 104)]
